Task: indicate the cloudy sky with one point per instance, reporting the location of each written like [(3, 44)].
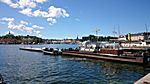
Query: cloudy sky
[(69, 18)]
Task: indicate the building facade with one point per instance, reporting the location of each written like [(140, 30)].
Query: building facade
[(139, 36)]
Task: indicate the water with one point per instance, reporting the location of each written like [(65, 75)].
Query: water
[(25, 67)]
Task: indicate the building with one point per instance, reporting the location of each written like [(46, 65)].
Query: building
[(140, 36)]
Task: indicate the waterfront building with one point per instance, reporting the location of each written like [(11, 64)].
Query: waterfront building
[(140, 36)]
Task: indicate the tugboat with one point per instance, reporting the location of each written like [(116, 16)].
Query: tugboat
[(52, 51)]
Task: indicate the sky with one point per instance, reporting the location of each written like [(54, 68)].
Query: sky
[(60, 19)]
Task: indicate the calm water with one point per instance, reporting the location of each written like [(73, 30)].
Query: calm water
[(24, 67)]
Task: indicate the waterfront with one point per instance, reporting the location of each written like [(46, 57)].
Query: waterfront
[(24, 67)]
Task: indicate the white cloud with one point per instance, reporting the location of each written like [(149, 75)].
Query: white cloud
[(24, 22), (51, 21), (21, 3), (22, 25), (26, 4), (26, 7), (39, 13), (10, 3), (40, 1), (7, 19), (52, 14), (6, 1), (38, 27), (27, 11), (57, 12)]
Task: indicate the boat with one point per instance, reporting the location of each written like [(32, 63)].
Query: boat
[(52, 51), (111, 51)]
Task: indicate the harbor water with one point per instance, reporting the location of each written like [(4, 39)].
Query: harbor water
[(26, 67)]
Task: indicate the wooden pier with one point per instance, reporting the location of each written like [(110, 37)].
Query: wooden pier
[(120, 58), (32, 49), (138, 60), (144, 80)]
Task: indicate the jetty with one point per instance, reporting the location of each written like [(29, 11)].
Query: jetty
[(45, 51), (138, 60), (109, 55), (31, 49), (144, 80)]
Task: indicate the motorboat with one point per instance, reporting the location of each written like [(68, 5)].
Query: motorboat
[(52, 51)]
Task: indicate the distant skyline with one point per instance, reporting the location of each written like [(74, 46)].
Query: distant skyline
[(68, 18)]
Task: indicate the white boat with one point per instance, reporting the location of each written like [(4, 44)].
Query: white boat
[(89, 46), (52, 51)]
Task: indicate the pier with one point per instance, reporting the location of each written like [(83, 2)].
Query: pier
[(32, 49), (144, 80), (138, 60), (121, 58)]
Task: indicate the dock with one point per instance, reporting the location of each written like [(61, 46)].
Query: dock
[(32, 49), (144, 80), (112, 57), (138, 60)]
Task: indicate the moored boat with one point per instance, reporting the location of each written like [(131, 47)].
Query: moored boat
[(52, 51), (111, 51)]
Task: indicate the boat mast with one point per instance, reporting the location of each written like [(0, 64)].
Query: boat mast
[(97, 30), (114, 32), (118, 30), (146, 31)]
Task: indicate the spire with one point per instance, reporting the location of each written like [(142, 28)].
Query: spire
[(9, 32), (77, 37)]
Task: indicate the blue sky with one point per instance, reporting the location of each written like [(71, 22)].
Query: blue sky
[(66, 18)]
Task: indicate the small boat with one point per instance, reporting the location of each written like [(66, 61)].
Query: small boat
[(52, 51)]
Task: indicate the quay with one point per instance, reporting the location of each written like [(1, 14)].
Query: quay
[(145, 59), (138, 60), (32, 49), (144, 80)]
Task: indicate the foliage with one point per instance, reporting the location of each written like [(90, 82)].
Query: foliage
[(100, 38)]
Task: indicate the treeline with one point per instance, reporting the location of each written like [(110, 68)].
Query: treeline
[(98, 38), (27, 38)]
